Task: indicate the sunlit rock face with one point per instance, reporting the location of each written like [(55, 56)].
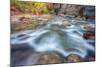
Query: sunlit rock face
[(54, 37), (70, 9), (77, 10)]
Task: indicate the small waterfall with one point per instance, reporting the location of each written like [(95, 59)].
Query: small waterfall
[(54, 37)]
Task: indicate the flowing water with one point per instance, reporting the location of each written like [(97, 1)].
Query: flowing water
[(55, 37)]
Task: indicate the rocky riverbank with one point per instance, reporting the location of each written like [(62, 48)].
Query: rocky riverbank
[(28, 22)]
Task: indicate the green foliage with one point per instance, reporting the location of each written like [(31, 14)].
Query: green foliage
[(21, 5), (31, 7), (13, 2), (40, 7)]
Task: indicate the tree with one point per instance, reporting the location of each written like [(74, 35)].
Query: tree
[(39, 8)]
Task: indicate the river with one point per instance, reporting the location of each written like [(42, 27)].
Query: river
[(63, 35)]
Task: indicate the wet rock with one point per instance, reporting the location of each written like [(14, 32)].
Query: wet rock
[(90, 32), (19, 55), (25, 19), (79, 18), (90, 27), (41, 58), (73, 58), (87, 59), (91, 59), (49, 58), (32, 59), (66, 23), (89, 35)]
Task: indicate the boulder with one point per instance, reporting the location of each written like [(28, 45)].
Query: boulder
[(73, 58)]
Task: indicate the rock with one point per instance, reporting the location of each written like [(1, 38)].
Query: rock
[(90, 31), (49, 58), (88, 12), (32, 59), (25, 19), (69, 9), (89, 27), (19, 55), (73, 58), (91, 59), (15, 19), (89, 35), (87, 59), (42, 58), (79, 18), (14, 11), (66, 23)]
